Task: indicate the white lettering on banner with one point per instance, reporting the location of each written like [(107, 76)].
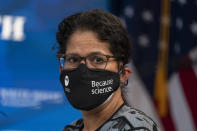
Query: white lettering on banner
[(14, 97), (102, 83), (18, 26), (6, 27), (12, 28)]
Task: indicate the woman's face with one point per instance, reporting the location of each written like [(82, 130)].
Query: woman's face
[(84, 43)]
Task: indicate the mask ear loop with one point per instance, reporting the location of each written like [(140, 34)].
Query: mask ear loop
[(120, 68)]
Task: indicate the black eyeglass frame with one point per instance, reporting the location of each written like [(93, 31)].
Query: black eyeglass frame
[(59, 56)]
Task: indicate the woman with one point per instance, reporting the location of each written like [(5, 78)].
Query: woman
[(94, 51)]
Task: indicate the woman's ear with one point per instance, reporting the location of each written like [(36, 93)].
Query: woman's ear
[(125, 74)]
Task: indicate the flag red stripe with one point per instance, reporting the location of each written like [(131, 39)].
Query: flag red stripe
[(167, 120), (188, 80)]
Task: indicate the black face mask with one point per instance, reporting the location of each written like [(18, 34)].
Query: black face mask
[(87, 88)]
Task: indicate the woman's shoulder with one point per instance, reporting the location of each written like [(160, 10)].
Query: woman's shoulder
[(134, 119), (74, 126)]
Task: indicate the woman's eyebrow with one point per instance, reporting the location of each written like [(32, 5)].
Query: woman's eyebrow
[(96, 53), (91, 53), (74, 54)]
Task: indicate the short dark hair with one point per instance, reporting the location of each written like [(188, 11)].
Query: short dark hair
[(107, 26)]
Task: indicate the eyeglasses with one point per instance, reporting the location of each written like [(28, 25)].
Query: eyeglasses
[(93, 60)]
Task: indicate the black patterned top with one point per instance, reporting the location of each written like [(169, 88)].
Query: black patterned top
[(124, 119)]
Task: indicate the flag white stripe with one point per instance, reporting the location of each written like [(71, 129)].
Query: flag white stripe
[(180, 111)]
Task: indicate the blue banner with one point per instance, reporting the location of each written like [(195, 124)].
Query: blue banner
[(31, 97)]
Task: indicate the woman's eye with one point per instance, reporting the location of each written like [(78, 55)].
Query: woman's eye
[(98, 60), (72, 60)]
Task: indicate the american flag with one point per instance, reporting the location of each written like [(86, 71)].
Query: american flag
[(164, 40)]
